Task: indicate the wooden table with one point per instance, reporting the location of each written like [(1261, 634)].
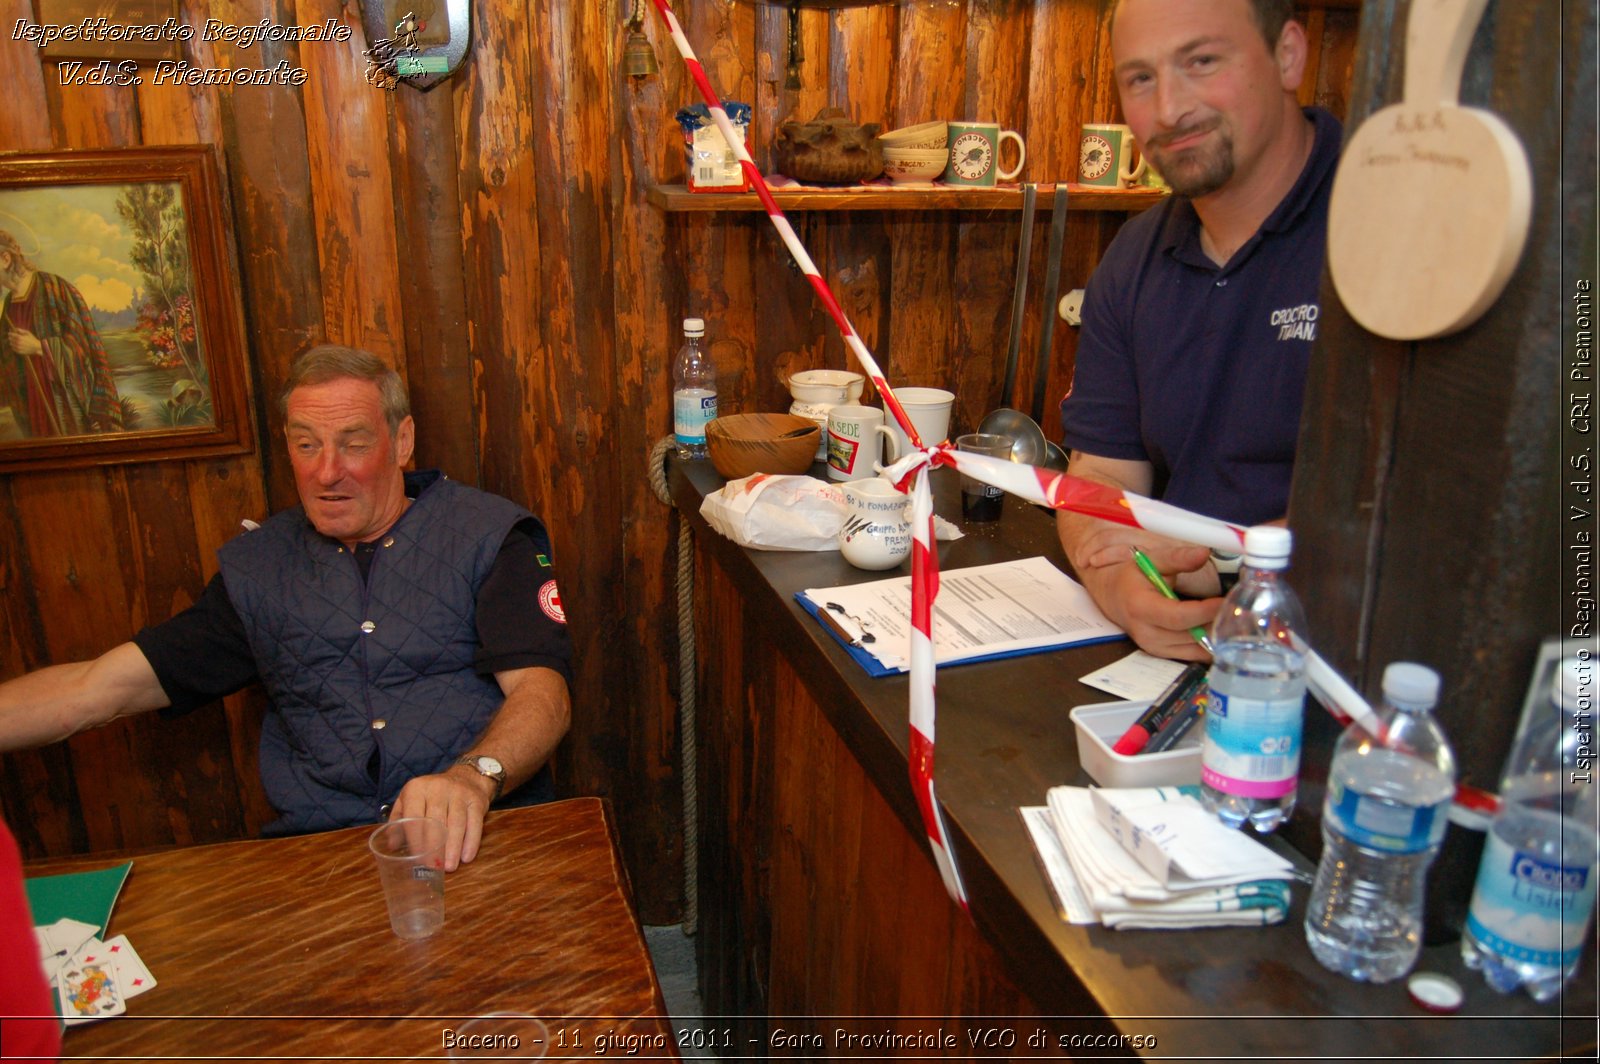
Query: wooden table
[(820, 908), (282, 947)]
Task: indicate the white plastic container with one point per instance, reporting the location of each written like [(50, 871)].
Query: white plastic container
[(1100, 725)]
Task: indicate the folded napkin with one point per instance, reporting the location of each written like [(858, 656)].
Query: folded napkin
[(1123, 893)]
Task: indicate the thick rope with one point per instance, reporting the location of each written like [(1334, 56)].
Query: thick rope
[(686, 690)]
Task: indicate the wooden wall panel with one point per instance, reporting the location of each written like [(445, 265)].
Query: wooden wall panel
[(430, 259), (649, 800), (352, 191)]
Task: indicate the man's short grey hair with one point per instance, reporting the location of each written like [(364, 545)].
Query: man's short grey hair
[(330, 362), (1270, 16)]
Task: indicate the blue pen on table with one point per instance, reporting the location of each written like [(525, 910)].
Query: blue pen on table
[(1152, 574)]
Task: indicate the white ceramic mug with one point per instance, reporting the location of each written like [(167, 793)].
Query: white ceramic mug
[(877, 527), (928, 409), (853, 440), (1105, 153)]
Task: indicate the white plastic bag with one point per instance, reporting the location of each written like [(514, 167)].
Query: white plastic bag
[(768, 511), (771, 512)]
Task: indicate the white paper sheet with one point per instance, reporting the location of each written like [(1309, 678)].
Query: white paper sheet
[(1139, 677), (983, 610)]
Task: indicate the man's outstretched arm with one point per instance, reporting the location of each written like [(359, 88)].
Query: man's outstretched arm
[(48, 705)]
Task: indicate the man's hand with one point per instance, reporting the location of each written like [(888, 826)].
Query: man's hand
[(521, 737), (1101, 553), (459, 796), (1157, 624)]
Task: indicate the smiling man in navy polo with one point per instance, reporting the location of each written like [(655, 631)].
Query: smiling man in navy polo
[(1198, 324)]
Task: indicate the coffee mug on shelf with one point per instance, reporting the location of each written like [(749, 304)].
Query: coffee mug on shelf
[(975, 154), (1105, 153)]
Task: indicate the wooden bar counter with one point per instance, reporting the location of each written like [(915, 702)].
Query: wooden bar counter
[(823, 922)]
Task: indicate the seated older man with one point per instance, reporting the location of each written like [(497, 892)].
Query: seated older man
[(407, 630)]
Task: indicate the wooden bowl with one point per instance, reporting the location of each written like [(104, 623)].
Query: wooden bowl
[(742, 444)]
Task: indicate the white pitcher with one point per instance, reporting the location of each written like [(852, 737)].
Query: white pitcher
[(877, 526), (817, 391)]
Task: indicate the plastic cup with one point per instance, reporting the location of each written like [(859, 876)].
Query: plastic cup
[(498, 1036), (980, 501), (410, 856)]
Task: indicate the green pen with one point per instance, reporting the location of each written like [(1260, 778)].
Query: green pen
[(1148, 568)]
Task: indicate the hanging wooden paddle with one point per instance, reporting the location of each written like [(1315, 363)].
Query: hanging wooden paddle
[(1431, 201)]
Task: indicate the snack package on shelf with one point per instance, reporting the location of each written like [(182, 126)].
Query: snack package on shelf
[(710, 163)]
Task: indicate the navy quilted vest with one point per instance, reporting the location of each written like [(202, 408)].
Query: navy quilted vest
[(362, 674)]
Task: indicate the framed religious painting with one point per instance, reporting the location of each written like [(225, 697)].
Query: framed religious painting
[(121, 335)]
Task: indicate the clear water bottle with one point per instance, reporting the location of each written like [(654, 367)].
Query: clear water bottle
[(1384, 817), (1529, 917), (1250, 759), (694, 392)]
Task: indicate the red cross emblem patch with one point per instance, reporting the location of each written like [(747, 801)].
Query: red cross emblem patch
[(550, 602)]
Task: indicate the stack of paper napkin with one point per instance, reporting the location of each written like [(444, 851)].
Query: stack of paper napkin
[(1153, 857)]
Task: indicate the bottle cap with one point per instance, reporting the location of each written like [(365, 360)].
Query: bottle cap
[(1574, 686), (1435, 992), (1407, 683), (1267, 547), (694, 327)]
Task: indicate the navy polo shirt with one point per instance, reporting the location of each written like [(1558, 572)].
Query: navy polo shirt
[(1200, 369)]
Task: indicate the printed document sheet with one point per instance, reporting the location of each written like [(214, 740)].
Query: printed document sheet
[(984, 611)]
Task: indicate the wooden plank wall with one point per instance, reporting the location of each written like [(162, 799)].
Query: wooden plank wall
[(492, 239)]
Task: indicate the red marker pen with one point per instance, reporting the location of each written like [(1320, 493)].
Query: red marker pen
[(1171, 700)]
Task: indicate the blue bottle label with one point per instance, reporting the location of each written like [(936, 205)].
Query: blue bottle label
[(1375, 824), (1529, 909), (1252, 745), (691, 409)]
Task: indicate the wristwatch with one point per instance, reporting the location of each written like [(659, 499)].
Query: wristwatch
[(486, 766)]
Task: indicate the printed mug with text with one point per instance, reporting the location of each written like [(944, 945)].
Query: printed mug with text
[(852, 440), (1104, 154), (975, 154)]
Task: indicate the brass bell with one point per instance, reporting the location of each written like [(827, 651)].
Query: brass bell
[(638, 58)]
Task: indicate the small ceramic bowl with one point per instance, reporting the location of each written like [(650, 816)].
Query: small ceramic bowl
[(914, 168), (826, 386), (916, 154), (742, 444), (926, 135)]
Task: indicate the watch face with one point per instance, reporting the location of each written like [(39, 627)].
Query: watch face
[(1094, 156), (971, 156), (490, 767)]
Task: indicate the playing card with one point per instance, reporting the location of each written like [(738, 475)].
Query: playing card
[(133, 978), (89, 992), (60, 942)]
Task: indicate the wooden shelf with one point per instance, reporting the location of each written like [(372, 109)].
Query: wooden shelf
[(676, 198)]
